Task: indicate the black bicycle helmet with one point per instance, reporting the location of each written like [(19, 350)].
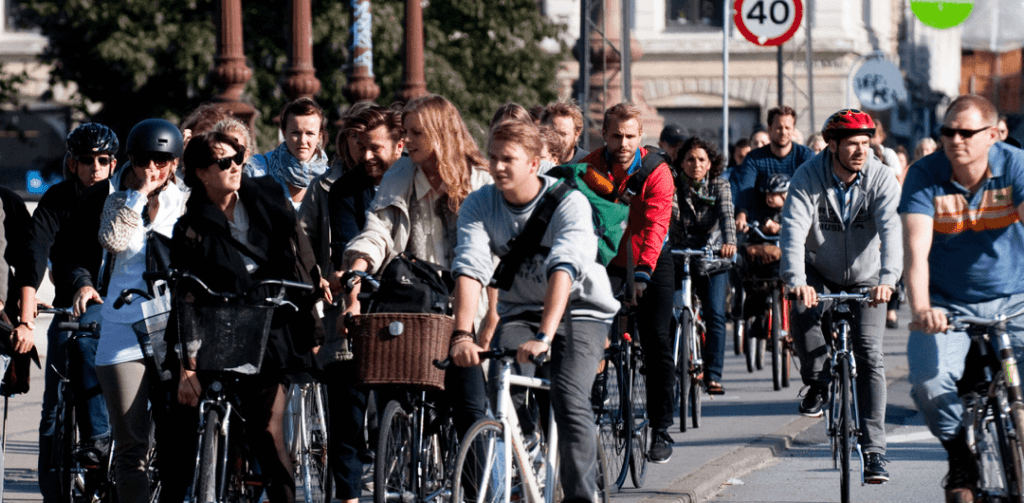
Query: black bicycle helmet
[(779, 182), (156, 135), (92, 138)]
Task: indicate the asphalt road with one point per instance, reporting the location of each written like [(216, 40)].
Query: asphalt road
[(751, 446)]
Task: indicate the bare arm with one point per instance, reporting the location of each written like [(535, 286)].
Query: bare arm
[(467, 299), (917, 244)]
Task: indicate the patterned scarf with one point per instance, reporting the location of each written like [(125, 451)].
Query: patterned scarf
[(285, 168), (700, 189)]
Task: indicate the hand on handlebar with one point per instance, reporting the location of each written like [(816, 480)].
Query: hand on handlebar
[(728, 251), (805, 295), (771, 227), (188, 388), (880, 295), (530, 350), (83, 297), (23, 339), (929, 321), (741, 222), (466, 353)]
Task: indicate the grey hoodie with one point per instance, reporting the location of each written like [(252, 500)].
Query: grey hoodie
[(814, 234)]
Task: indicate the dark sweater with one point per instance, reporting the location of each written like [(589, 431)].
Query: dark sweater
[(347, 202)]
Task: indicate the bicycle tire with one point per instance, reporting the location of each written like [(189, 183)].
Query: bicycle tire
[(776, 338), (152, 467), (750, 346), (698, 385), (392, 477), (737, 335), (1017, 452), (761, 345), (683, 374), (478, 467), (611, 423), (1009, 436), (316, 475), (65, 431), (787, 362), (604, 493), (626, 402), (640, 423), (206, 489), (846, 428)]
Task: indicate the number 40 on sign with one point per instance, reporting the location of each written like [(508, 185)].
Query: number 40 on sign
[(768, 22)]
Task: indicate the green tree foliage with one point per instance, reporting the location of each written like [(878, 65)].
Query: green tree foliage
[(152, 58)]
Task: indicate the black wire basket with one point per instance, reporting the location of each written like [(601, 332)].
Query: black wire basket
[(150, 332), (223, 337)]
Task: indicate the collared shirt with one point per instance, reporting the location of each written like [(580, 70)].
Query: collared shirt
[(239, 227), (844, 194), (432, 235)]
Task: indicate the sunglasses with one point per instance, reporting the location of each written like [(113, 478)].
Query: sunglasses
[(949, 132), (159, 160), (103, 160), (225, 163)]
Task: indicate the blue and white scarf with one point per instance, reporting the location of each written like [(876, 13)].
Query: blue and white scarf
[(286, 168)]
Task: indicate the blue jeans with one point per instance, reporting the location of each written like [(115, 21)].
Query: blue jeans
[(937, 362), (711, 290), (91, 409)]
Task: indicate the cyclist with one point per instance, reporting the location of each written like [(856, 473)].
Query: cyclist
[(151, 205), (378, 132), (705, 219), (566, 119), (780, 155), (567, 277), (650, 211), (415, 211), (300, 158), (961, 212), (89, 159), (840, 231)]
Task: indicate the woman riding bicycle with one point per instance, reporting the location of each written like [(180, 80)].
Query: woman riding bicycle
[(131, 227), (415, 211), (236, 232), (705, 218)]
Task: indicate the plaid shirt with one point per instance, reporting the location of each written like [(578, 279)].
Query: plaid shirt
[(697, 220)]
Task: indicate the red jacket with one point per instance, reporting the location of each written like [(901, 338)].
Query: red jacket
[(649, 212)]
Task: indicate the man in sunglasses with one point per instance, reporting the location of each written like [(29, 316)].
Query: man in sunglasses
[(89, 160), (961, 211)]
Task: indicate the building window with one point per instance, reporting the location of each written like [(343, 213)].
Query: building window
[(693, 15)]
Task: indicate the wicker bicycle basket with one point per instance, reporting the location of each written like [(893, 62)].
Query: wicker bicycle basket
[(400, 348), (223, 337)]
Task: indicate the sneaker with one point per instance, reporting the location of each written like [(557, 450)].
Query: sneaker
[(874, 468), (811, 405), (661, 447), (961, 483)]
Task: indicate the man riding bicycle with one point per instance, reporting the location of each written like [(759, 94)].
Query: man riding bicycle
[(840, 232), (960, 210)]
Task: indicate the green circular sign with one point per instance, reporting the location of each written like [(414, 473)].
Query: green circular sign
[(942, 14)]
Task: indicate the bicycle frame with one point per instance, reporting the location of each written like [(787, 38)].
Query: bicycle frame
[(683, 299), (223, 404)]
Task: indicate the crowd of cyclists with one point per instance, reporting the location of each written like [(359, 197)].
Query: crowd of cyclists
[(410, 179)]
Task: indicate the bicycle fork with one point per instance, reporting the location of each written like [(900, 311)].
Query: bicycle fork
[(845, 352)]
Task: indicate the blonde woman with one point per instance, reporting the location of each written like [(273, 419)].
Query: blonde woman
[(415, 211)]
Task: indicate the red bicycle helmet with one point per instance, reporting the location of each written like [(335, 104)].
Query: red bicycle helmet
[(848, 122)]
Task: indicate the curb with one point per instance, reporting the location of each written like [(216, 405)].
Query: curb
[(708, 480)]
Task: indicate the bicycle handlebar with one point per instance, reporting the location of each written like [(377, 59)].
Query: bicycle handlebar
[(863, 295), (177, 275), (350, 277), (493, 354), (92, 328), (44, 309), (962, 322), (755, 227)]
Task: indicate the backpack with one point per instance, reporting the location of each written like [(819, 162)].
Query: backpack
[(410, 285), (609, 215)]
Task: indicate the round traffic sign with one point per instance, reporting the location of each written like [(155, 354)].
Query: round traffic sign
[(942, 14), (768, 22), (878, 85)]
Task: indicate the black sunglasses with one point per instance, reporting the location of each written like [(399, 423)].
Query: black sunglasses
[(949, 132), (103, 160), (225, 163), (160, 160)]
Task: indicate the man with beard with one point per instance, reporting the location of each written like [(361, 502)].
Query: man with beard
[(781, 155), (567, 120), (840, 232), (650, 210), (378, 133)]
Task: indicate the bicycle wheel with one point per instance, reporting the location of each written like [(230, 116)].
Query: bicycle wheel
[(206, 489), (776, 338), (683, 375), (611, 421), (761, 345), (64, 439), (480, 466), (738, 335), (750, 345), (604, 493), (392, 477), (640, 422), (697, 386), (316, 476), (1008, 422), (846, 427), (787, 362)]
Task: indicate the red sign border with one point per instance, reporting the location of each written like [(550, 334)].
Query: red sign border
[(781, 39)]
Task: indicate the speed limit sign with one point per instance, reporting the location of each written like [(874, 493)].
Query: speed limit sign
[(768, 22)]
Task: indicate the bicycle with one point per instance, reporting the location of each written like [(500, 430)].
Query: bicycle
[(764, 279), (216, 340), (687, 346), (495, 464), (842, 419), (620, 402), (993, 406), (306, 437), (80, 480), (417, 442)]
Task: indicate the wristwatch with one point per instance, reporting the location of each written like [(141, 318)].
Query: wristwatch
[(31, 325), (545, 338)]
